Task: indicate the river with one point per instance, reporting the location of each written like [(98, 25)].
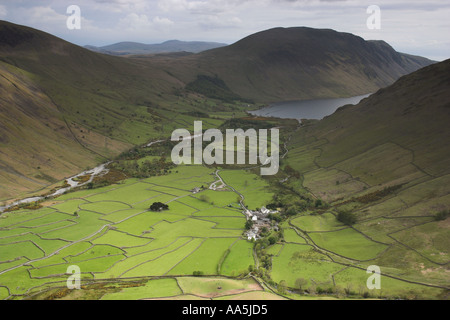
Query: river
[(306, 109), (101, 169)]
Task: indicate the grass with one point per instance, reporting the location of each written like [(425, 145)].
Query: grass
[(323, 222), (205, 259), (221, 198), (291, 236), (348, 243), (120, 239), (354, 280), (104, 207), (238, 259), (254, 188), (152, 289), (142, 255), (127, 240), (254, 295), (163, 264), (22, 249), (300, 261), (214, 287)]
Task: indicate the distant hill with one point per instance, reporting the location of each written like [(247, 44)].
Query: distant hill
[(128, 48), (300, 63)]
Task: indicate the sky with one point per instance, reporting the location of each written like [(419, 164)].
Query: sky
[(415, 26)]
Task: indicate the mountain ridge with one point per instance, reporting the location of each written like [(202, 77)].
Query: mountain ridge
[(169, 46), (301, 63)]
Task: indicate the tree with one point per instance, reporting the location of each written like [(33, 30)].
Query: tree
[(158, 206), (346, 217), (204, 198), (282, 287), (275, 217), (292, 210), (248, 224), (272, 240), (300, 283), (442, 215)]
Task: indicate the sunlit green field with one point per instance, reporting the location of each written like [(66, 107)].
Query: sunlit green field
[(126, 251), (110, 234)]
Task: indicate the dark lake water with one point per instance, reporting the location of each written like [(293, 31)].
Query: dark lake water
[(306, 109)]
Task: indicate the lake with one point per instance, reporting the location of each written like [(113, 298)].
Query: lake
[(306, 109)]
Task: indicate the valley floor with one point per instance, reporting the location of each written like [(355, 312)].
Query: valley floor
[(110, 234)]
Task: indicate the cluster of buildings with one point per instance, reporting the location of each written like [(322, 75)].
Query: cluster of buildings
[(260, 220)]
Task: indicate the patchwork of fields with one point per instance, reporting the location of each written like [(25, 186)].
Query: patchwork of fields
[(396, 204), (110, 234), (125, 251)]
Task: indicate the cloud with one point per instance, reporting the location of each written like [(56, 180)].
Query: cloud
[(134, 21), (44, 15), (205, 7), (120, 5), (217, 22), (408, 25), (3, 11)]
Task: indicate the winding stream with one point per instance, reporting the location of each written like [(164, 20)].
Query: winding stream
[(99, 170)]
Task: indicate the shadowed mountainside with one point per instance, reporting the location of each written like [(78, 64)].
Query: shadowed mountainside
[(386, 161), (300, 63)]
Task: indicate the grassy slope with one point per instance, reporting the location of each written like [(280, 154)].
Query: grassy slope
[(65, 108), (33, 133), (394, 138)]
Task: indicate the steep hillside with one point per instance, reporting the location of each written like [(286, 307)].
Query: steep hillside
[(300, 63), (38, 147), (64, 108), (387, 162)]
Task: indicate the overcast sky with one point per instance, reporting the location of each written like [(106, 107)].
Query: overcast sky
[(414, 26)]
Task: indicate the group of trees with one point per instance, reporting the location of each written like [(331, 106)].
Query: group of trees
[(262, 244), (144, 169), (442, 215), (291, 205), (346, 217), (159, 206)]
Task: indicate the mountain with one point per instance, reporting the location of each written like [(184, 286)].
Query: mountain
[(386, 163), (126, 48), (396, 135), (64, 108), (300, 63)]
